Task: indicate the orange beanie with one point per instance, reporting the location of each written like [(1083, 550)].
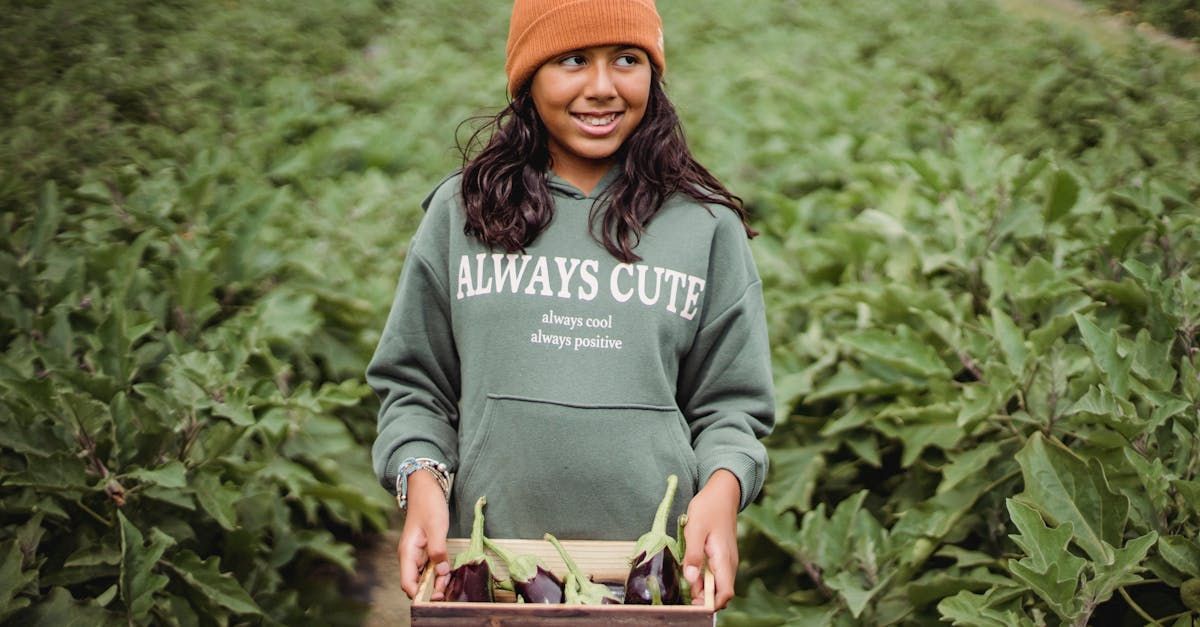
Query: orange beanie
[(541, 29)]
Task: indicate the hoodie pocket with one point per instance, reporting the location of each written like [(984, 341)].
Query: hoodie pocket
[(580, 471)]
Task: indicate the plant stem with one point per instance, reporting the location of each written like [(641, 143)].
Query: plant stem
[(1137, 608), (93, 513)]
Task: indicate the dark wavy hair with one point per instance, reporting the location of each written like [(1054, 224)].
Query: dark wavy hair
[(507, 199)]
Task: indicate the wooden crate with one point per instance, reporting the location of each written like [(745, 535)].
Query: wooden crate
[(607, 562)]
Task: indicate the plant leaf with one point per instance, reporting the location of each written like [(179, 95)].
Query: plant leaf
[(206, 577), (1048, 568), (1103, 346), (139, 582), (1066, 489)]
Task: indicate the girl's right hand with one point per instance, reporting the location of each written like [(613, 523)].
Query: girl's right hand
[(423, 540)]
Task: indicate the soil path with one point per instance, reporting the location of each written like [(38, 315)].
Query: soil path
[(380, 572)]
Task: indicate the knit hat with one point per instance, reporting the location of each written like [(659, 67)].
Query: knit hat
[(541, 29)]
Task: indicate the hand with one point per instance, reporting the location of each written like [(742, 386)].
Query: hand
[(711, 533), (423, 540)]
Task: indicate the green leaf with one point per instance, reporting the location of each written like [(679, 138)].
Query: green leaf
[(1049, 569), (33, 437), (1107, 409), (966, 464), (1103, 347), (1061, 196), (46, 221), (60, 609), (173, 474), (1182, 553), (12, 579), (206, 577), (1011, 341), (827, 541), (900, 349), (779, 528), (139, 582), (975, 610), (760, 607), (1152, 362), (939, 584), (1190, 491), (853, 592), (217, 499), (918, 437), (1066, 489), (1122, 571), (798, 469)]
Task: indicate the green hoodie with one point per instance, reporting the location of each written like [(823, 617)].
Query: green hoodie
[(564, 385)]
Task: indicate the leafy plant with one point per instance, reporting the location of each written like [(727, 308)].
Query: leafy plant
[(178, 415)]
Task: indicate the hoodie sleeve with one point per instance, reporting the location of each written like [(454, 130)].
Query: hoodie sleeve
[(725, 385), (415, 368)]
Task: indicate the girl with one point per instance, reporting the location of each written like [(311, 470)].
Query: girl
[(578, 316)]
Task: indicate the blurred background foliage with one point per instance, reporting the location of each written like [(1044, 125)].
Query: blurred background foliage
[(978, 236)]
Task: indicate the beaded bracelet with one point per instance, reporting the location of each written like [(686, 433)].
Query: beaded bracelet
[(413, 464)]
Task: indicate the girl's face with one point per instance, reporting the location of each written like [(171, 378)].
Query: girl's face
[(591, 100)]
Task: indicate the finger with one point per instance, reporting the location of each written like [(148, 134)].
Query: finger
[(724, 571), (411, 560), (439, 586), (693, 558), (435, 548)]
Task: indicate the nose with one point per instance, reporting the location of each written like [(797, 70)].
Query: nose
[(600, 84)]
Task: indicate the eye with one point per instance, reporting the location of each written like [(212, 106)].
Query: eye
[(573, 60), (628, 60)]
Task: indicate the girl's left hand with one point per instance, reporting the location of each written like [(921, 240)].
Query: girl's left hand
[(711, 532)]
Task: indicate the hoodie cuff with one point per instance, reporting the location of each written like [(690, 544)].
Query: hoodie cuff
[(415, 448), (743, 467)]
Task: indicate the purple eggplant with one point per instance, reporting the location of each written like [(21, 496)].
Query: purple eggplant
[(579, 588), (471, 579), (654, 578), (533, 582)]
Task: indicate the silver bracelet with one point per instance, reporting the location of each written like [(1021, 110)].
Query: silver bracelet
[(413, 464)]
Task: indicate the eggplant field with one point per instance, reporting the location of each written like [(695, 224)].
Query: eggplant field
[(980, 227)]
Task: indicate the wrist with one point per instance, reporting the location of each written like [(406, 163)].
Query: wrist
[(425, 467), (724, 487)]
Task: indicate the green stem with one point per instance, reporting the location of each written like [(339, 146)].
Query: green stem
[(476, 546), (664, 508), (498, 550), (93, 513), (562, 552), (1137, 608)]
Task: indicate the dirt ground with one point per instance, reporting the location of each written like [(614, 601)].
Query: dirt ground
[(389, 604)]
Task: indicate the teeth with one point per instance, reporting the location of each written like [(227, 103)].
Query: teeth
[(597, 120)]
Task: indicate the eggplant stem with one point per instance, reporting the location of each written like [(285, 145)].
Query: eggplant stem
[(664, 508), (562, 552), (498, 550), (477, 526)]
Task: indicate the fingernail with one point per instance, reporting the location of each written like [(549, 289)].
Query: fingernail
[(691, 572), (443, 568)]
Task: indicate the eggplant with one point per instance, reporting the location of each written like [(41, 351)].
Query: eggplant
[(579, 588), (533, 582), (471, 579), (654, 577)]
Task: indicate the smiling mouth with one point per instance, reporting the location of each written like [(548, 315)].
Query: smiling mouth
[(596, 120)]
